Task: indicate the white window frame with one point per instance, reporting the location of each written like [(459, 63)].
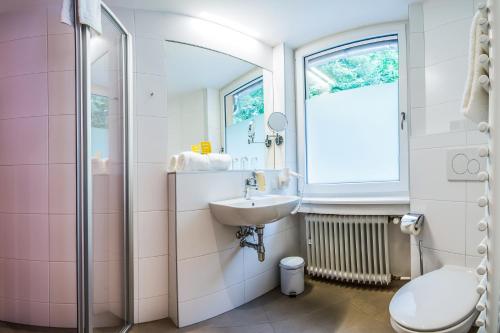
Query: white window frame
[(398, 190)]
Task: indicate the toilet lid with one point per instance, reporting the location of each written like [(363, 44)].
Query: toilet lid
[(436, 300)]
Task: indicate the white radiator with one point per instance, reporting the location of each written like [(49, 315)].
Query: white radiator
[(348, 247)]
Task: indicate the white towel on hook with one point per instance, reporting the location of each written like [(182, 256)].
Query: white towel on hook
[(475, 99), (89, 13)]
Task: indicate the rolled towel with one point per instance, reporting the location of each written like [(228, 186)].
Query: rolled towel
[(219, 162), (475, 99), (172, 165), (190, 161)]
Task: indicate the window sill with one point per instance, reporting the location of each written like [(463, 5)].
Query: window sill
[(356, 206), (357, 201)]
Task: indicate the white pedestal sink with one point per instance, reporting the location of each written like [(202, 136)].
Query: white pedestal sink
[(258, 210)]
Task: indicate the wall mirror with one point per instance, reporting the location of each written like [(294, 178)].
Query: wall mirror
[(218, 98)]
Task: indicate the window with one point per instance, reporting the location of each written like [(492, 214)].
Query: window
[(244, 107), (354, 106), (100, 126)]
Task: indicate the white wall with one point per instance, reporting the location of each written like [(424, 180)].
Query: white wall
[(153, 122), (209, 272), (438, 63)]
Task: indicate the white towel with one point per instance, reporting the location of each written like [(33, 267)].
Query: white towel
[(475, 99), (89, 13), (220, 162), (190, 161), (172, 166)]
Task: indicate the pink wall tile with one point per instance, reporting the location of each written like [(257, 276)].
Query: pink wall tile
[(24, 141), (24, 280), (115, 236), (101, 282), (24, 189), (62, 92), (61, 52), (23, 56), (54, 21), (62, 237), (100, 194), (62, 139), (62, 188), (63, 315), (24, 312), (23, 96), (100, 241), (23, 23), (62, 282), (24, 236)]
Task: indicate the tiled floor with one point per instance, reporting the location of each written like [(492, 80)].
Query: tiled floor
[(323, 307)]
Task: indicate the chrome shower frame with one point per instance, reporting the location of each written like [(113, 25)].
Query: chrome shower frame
[(84, 174)]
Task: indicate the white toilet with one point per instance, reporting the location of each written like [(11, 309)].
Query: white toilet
[(440, 301)]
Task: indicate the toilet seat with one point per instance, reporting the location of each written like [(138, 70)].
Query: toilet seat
[(436, 301)]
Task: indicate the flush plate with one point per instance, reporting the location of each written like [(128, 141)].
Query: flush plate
[(464, 164)]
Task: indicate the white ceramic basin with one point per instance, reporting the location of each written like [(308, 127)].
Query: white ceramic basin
[(255, 211)]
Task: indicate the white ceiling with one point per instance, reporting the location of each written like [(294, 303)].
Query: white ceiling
[(192, 68), (295, 22)]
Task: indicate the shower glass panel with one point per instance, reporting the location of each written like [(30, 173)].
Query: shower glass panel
[(107, 164)]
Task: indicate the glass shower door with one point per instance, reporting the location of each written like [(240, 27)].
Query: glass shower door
[(107, 235)]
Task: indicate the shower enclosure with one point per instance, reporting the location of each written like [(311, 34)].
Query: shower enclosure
[(64, 172), (104, 187)]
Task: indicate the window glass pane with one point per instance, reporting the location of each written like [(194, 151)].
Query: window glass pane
[(244, 108), (352, 113), (100, 113)]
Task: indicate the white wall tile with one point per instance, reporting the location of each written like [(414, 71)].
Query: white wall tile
[(260, 284), (220, 271), (199, 233), (153, 276), (150, 56), (441, 118), (151, 95), (444, 226), (417, 50), (416, 17), (417, 87), (152, 187), (437, 140), (435, 259), (428, 178), (153, 233), (473, 235), (475, 190), (153, 308), (152, 139), (447, 42), (445, 81), (55, 26), (209, 186), (209, 306), (438, 12)]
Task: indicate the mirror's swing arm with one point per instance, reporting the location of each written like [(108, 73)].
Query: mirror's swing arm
[(278, 139)]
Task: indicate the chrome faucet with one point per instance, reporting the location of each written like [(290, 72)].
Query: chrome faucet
[(250, 183)]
